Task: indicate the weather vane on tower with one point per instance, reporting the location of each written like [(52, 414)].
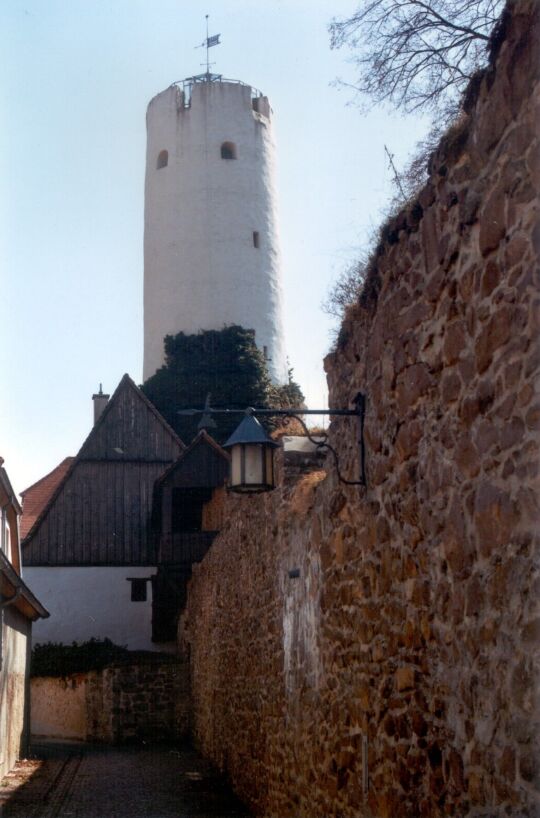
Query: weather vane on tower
[(208, 43)]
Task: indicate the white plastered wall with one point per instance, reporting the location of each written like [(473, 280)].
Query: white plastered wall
[(201, 268), (92, 602), (15, 653)]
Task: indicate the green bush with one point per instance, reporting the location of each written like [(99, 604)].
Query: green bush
[(54, 659)]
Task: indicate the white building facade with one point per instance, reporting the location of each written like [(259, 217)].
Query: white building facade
[(211, 248), (95, 602), (19, 608)]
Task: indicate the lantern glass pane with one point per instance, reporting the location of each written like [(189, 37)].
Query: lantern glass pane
[(269, 466), (254, 464), (236, 465)]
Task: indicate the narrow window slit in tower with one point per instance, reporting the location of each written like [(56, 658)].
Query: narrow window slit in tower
[(228, 150), (162, 160), (256, 238)]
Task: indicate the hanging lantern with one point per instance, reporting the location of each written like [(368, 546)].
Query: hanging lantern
[(252, 457)]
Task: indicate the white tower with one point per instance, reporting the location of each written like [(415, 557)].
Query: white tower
[(211, 252)]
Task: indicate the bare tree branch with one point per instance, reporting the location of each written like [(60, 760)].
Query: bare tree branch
[(417, 55), (412, 53), (345, 289)]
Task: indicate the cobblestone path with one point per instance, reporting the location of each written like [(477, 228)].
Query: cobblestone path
[(76, 781)]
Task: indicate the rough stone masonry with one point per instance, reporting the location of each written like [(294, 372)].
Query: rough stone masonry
[(395, 675)]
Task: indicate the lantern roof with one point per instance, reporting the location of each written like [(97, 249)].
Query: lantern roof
[(249, 431)]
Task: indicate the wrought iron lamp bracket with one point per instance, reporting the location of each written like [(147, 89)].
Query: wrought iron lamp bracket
[(323, 444), (359, 411)]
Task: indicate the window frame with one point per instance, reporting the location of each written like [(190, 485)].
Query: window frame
[(139, 589)]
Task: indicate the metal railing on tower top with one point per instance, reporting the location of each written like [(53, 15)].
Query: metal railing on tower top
[(188, 83)]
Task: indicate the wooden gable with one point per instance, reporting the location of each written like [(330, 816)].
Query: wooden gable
[(203, 464), (131, 428), (100, 514), (180, 496)]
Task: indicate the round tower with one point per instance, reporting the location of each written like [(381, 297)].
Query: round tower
[(211, 250)]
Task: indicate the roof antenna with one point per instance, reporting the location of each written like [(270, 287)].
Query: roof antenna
[(208, 43), (397, 178)]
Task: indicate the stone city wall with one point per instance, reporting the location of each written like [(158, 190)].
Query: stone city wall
[(117, 704), (392, 674)]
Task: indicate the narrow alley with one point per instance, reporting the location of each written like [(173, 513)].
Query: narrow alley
[(94, 781)]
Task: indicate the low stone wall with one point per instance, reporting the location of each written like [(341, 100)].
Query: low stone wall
[(147, 701), (370, 652), (58, 706)]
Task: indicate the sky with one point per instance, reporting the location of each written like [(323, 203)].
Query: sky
[(77, 76)]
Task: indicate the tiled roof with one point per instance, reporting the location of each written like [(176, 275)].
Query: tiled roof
[(36, 497)]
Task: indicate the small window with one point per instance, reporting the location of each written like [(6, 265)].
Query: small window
[(162, 160), (228, 150), (138, 590), (256, 238)]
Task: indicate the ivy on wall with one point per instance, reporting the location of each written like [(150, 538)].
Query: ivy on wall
[(225, 363)]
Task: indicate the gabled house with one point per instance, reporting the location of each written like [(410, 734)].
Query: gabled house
[(187, 517), (112, 533), (19, 608), (90, 550)]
